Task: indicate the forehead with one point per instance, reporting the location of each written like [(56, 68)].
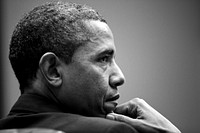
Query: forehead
[(100, 41), (98, 28)]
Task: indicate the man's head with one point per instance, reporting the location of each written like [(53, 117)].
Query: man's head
[(71, 57), (53, 27)]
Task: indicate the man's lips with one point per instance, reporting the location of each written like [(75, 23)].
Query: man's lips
[(111, 103), (113, 98)]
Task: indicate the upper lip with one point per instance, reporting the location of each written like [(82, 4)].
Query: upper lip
[(113, 98)]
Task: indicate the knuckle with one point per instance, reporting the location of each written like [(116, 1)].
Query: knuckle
[(131, 102), (139, 101)]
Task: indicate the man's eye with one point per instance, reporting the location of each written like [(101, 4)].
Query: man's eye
[(104, 59)]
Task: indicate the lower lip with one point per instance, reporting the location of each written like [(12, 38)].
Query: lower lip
[(110, 106)]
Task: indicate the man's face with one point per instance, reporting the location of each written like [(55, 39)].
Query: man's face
[(90, 81)]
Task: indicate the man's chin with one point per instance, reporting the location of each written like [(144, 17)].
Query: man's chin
[(110, 106), (97, 113)]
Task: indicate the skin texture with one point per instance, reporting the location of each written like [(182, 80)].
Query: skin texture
[(93, 75), (91, 79)]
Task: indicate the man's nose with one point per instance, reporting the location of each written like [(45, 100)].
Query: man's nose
[(116, 78)]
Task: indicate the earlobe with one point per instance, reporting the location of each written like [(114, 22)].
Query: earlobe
[(49, 67)]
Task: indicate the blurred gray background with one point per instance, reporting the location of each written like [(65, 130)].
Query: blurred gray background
[(158, 50)]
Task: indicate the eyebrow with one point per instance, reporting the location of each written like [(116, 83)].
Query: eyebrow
[(106, 52)]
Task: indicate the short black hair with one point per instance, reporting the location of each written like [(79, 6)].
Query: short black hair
[(56, 27)]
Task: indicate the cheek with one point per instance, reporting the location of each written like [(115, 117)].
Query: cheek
[(92, 82), (99, 83)]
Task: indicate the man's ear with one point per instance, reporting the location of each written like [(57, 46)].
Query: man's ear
[(49, 66)]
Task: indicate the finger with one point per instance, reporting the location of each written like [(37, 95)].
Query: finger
[(121, 118), (129, 108), (122, 109), (110, 117)]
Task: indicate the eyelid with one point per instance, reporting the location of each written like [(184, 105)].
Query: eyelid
[(107, 56)]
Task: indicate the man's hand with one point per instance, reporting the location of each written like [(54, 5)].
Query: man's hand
[(142, 117)]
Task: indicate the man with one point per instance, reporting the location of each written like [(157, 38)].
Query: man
[(64, 58)]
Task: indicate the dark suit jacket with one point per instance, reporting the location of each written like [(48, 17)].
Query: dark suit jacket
[(32, 111)]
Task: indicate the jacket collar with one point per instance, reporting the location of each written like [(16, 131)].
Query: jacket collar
[(32, 103)]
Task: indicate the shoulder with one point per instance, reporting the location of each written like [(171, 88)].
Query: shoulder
[(77, 123), (67, 122)]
